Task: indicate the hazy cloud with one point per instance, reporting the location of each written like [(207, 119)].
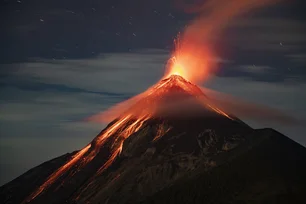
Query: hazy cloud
[(111, 72), (298, 58), (255, 69)]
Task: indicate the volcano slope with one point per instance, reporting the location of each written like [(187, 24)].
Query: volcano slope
[(171, 146)]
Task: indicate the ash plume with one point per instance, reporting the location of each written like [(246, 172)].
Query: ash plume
[(194, 52), (214, 15)]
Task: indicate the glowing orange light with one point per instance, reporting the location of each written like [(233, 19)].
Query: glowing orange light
[(177, 68), (161, 131), (111, 159), (82, 158), (59, 172), (190, 60)]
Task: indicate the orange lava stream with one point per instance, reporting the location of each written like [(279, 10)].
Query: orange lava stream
[(212, 107), (128, 131), (134, 127), (84, 159), (114, 128), (59, 172), (122, 135), (111, 158), (161, 131), (220, 111), (117, 149)]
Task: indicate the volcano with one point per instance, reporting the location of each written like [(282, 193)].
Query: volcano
[(173, 145)]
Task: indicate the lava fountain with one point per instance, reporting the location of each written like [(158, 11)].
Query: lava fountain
[(191, 61)]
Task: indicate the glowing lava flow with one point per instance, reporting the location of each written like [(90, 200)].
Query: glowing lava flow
[(161, 131), (152, 102), (128, 131), (59, 172), (89, 152), (115, 153)]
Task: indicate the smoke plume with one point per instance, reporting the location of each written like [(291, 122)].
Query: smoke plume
[(214, 15), (194, 55)]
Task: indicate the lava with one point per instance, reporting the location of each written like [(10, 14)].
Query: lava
[(89, 152), (161, 131), (114, 154), (128, 131), (59, 172)]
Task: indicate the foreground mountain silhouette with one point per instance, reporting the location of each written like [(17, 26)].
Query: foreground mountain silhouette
[(171, 146)]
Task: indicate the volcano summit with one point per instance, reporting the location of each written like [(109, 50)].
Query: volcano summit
[(171, 145)]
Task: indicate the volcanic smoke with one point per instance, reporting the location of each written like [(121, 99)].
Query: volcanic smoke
[(193, 57)]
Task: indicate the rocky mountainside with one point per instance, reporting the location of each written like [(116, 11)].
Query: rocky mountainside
[(172, 145)]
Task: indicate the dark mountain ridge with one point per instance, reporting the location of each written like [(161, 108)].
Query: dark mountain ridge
[(173, 145)]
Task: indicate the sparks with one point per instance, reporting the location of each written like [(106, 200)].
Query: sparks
[(177, 68), (190, 60)]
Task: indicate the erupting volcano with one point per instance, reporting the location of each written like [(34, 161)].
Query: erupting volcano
[(172, 98), (174, 143), (164, 141)]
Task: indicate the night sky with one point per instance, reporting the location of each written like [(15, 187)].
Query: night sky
[(62, 61)]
